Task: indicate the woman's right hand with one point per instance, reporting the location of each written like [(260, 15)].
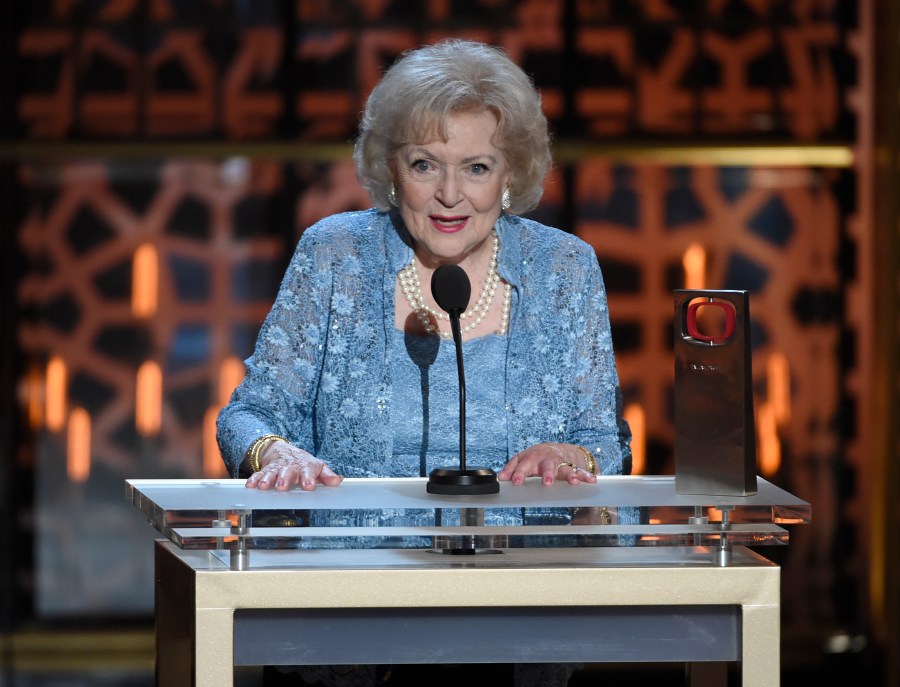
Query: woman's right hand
[(284, 466)]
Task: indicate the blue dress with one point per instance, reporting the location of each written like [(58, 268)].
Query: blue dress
[(323, 371), (425, 422)]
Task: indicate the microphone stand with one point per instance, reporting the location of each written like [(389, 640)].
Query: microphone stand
[(457, 340), (465, 480)]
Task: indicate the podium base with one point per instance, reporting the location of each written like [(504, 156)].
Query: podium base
[(470, 481)]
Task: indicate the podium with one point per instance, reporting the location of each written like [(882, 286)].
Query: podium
[(681, 585)]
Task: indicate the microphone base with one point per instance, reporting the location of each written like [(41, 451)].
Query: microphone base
[(469, 481)]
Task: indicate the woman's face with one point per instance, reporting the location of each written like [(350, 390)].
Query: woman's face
[(449, 194)]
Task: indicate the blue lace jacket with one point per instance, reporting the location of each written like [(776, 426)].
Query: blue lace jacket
[(321, 371)]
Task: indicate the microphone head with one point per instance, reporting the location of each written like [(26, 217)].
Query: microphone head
[(451, 288)]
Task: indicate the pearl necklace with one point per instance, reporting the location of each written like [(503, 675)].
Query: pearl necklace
[(412, 290)]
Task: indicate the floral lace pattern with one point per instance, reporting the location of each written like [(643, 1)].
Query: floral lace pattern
[(321, 371)]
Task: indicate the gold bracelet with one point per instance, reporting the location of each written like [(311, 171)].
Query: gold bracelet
[(256, 448), (589, 458)]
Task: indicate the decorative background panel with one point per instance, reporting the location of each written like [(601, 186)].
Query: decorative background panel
[(239, 70), (161, 68), (215, 231), (712, 69)]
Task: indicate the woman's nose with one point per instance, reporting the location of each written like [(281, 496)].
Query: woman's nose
[(448, 190)]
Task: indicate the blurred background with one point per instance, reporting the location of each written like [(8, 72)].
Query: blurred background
[(160, 158)]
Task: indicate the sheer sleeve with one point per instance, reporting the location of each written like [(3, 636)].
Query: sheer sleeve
[(597, 423), (278, 391), (563, 384)]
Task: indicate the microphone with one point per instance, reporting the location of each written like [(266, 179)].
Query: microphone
[(451, 290)]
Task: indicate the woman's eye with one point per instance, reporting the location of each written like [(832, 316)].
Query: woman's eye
[(479, 168), (421, 165)]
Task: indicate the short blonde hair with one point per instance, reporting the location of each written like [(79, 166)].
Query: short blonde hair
[(418, 93)]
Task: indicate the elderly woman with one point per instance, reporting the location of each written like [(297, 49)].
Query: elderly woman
[(354, 373)]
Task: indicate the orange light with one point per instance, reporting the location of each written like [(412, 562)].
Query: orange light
[(694, 264), (145, 281), (78, 446), (231, 373), (55, 394), (769, 443), (213, 466), (148, 399), (634, 414), (778, 376)]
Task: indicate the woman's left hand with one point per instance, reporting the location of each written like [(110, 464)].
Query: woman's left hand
[(550, 462)]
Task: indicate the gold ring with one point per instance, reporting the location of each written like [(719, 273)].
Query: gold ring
[(567, 464)]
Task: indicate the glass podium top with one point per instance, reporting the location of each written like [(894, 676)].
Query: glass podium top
[(400, 513)]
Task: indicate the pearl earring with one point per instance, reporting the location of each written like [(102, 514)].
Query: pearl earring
[(392, 196), (505, 202)]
